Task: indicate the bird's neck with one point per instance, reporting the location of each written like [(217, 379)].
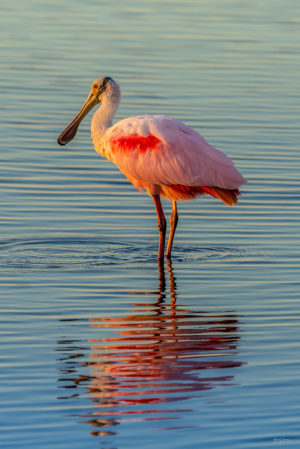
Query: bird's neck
[(102, 118)]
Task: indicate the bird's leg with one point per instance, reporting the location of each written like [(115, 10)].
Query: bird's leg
[(162, 225), (173, 223)]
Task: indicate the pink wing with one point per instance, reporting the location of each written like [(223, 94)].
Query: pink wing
[(163, 151)]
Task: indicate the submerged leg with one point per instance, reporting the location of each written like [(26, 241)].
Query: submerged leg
[(173, 222), (162, 225)]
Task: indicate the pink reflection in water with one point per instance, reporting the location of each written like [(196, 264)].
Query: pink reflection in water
[(159, 354)]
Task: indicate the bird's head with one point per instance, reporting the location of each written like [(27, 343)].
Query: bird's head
[(103, 89)]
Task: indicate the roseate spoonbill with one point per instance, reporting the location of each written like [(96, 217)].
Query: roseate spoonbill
[(158, 154)]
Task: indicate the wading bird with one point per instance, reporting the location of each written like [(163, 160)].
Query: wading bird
[(158, 154)]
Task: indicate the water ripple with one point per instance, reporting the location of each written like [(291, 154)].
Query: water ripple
[(69, 253)]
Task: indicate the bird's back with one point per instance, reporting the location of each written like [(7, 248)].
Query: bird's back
[(161, 150)]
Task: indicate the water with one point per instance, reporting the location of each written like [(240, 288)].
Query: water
[(101, 347)]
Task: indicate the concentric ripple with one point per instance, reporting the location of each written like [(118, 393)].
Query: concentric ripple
[(69, 253)]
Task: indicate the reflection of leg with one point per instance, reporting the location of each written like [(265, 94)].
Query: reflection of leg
[(161, 276), (173, 222), (172, 282), (162, 225)]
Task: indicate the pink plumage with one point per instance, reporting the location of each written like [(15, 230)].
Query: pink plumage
[(158, 151), (158, 154)]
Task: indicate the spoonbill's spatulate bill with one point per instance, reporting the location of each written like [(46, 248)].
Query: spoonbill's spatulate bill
[(158, 154)]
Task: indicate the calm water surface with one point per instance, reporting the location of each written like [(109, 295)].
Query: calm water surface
[(100, 346)]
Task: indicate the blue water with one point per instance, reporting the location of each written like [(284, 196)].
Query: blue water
[(101, 346)]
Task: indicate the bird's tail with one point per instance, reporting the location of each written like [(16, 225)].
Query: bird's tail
[(183, 193), (227, 196)]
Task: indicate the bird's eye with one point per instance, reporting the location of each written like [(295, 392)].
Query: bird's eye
[(101, 89)]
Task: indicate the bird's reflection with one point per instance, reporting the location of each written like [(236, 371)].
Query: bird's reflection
[(144, 363)]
